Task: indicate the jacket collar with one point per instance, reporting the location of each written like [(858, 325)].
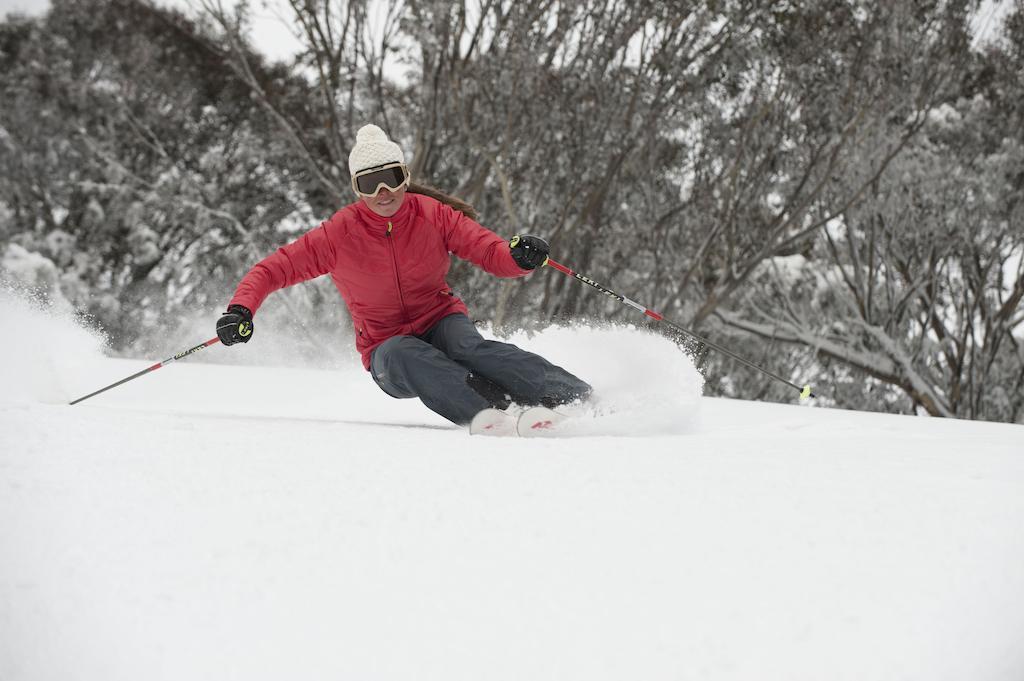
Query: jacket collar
[(376, 222)]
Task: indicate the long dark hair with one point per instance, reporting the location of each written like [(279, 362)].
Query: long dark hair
[(453, 201)]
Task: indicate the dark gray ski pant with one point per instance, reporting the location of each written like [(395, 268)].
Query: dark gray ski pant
[(457, 373)]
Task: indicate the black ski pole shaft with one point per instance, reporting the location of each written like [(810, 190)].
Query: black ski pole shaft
[(804, 391), (145, 371)]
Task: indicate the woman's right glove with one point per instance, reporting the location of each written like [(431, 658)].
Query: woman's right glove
[(529, 252), (235, 326)]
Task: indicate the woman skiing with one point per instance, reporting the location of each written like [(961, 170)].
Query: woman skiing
[(388, 254)]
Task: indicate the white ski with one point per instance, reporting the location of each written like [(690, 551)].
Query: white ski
[(539, 422), (493, 422)]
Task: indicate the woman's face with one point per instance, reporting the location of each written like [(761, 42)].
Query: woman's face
[(387, 202)]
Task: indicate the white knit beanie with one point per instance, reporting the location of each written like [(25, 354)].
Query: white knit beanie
[(372, 149)]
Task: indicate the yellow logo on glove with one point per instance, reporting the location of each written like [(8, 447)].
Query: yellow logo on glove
[(244, 329)]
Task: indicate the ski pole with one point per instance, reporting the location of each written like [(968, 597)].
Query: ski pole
[(805, 391), (156, 366)]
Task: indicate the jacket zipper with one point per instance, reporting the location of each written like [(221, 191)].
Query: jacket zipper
[(398, 280)]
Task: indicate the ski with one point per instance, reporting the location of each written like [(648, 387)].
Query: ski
[(493, 422), (539, 422)]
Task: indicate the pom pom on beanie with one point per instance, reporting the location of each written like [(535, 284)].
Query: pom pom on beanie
[(372, 149)]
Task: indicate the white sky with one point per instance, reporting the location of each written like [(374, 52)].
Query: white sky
[(24, 6), (274, 39), (270, 35)]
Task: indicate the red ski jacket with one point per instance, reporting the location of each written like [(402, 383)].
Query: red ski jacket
[(390, 271)]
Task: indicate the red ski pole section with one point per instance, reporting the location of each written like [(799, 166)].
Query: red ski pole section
[(565, 270), (560, 267), (186, 353)]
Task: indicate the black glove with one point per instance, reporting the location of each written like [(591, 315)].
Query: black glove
[(235, 326), (529, 251)]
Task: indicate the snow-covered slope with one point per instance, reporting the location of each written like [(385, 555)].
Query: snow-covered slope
[(233, 522)]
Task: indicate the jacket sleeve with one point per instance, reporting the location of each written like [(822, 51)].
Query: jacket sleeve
[(471, 241), (308, 257)]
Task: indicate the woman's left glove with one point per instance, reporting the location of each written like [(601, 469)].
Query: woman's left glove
[(235, 326), (529, 252)]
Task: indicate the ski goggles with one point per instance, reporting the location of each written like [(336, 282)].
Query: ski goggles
[(368, 182)]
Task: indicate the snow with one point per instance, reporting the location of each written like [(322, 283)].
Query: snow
[(33, 271), (243, 522)]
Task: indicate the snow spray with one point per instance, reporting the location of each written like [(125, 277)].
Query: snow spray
[(643, 382), (40, 344)]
